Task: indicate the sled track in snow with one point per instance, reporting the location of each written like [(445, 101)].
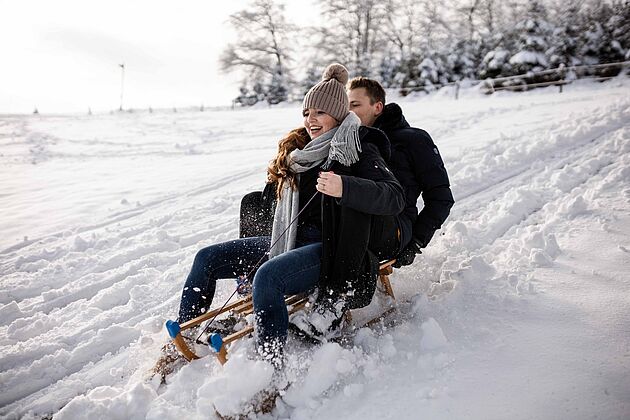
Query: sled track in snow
[(38, 324), (494, 260), (477, 208), (15, 265), (558, 157), (526, 173), (118, 217)]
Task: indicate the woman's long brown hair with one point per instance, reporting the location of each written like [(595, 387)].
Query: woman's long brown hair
[(278, 170)]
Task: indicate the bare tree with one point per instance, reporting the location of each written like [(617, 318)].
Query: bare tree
[(489, 15), (403, 25), (465, 18), (263, 45), (470, 9), (352, 32)]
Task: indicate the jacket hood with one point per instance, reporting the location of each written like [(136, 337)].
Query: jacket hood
[(391, 118), (377, 138)]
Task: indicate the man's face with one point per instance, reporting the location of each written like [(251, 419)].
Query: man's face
[(360, 105)]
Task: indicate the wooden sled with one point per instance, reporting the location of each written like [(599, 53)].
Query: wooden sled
[(242, 308)]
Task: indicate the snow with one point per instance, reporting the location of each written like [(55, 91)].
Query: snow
[(517, 309), (495, 59), (529, 57)]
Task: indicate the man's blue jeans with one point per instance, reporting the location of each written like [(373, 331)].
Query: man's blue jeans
[(295, 271)]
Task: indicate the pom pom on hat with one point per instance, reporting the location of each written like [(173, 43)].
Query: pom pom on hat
[(336, 71), (329, 95)]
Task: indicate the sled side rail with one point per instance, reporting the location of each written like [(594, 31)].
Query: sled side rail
[(209, 315)]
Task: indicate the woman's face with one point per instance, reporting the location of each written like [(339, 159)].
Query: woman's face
[(317, 122)]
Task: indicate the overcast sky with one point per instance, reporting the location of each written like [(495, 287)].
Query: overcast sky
[(63, 55)]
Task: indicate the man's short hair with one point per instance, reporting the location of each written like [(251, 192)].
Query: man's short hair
[(374, 90)]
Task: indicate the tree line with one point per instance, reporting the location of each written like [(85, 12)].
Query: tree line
[(421, 45)]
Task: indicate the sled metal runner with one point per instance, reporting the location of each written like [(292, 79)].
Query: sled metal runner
[(242, 308)]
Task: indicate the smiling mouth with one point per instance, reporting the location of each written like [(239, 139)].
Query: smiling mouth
[(315, 128)]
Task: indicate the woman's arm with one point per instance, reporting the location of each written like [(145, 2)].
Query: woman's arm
[(372, 188)]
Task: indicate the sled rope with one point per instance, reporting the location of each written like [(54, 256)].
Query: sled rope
[(205, 329)]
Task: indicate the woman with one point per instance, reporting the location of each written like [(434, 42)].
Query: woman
[(344, 162), (238, 257), (356, 185)]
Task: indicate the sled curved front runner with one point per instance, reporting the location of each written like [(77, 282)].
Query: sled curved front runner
[(244, 307)]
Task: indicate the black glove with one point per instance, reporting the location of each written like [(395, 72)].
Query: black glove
[(408, 254)]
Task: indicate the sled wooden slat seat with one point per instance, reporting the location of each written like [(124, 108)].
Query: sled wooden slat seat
[(291, 300), (244, 307), (241, 309)]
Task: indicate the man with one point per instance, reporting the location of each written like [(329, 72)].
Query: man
[(416, 163)]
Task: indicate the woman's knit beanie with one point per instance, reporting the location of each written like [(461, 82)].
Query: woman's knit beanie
[(329, 95)]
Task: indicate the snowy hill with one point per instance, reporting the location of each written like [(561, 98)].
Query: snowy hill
[(518, 309)]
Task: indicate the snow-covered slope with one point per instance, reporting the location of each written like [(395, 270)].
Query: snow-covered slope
[(519, 308)]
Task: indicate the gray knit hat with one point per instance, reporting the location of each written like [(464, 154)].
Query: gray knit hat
[(329, 95)]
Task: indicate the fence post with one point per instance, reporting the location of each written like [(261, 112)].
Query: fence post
[(490, 84), (457, 90), (562, 73)]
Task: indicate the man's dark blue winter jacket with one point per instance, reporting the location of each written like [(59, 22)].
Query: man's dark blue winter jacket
[(418, 166)]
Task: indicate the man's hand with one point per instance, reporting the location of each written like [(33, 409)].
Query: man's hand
[(330, 184), (408, 254)]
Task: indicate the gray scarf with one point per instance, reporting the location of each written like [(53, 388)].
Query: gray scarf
[(341, 144)]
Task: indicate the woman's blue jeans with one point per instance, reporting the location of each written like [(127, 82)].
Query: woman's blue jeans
[(220, 261), (293, 272)]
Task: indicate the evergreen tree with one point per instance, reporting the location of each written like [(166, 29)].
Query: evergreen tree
[(313, 76), (495, 62), (615, 36), (408, 78), (245, 98), (389, 69), (434, 72), (532, 43), (564, 41), (277, 90), (498, 37), (619, 25), (605, 40), (258, 91), (462, 60), (596, 40)]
